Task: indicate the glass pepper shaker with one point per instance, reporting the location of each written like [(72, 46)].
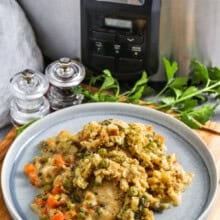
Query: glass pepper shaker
[(28, 101), (63, 75)]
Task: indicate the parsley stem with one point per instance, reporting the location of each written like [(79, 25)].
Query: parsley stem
[(206, 89), (208, 83), (163, 90)]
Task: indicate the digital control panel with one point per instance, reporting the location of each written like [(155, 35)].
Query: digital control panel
[(118, 37)]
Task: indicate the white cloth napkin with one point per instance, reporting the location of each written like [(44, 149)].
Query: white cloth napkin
[(18, 51)]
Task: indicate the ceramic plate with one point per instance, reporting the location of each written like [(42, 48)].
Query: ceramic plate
[(190, 150)]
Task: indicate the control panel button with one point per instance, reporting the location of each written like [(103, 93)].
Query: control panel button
[(136, 51), (132, 52), (117, 49), (131, 39), (126, 65), (99, 48)]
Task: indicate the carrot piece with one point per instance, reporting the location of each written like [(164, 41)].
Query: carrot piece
[(59, 161), (29, 169), (44, 210), (64, 132), (149, 128), (39, 201), (52, 202), (51, 142), (58, 216), (35, 180), (56, 190), (160, 138)]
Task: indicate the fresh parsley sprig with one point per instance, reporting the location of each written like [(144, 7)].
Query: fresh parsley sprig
[(136, 93), (196, 118), (188, 93), (182, 95), (109, 89), (173, 83)]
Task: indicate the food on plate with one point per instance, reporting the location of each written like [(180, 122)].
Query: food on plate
[(108, 170)]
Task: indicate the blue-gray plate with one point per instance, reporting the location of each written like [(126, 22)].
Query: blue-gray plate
[(191, 152)]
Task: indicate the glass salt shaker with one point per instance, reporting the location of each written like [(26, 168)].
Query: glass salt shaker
[(63, 75), (28, 101)]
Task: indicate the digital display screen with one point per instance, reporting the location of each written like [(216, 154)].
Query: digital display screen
[(128, 2), (118, 23)]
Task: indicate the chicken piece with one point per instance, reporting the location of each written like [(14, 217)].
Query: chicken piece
[(109, 196)]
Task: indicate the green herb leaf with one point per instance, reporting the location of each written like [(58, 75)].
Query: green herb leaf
[(135, 98), (200, 72), (105, 97), (190, 90), (167, 100), (217, 91), (170, 68), (109, 82), (177, 92), (179, 82), (136, 93), (108, 92), (188, 120), (201, 115), (140, 83), (187, 105), (20, 129), (214, 73), (88, 96)]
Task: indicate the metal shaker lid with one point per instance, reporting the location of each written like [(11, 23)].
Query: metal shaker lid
[(65, 73), (28, 85)]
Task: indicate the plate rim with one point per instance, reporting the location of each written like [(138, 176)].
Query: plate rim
[(214, 176)]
